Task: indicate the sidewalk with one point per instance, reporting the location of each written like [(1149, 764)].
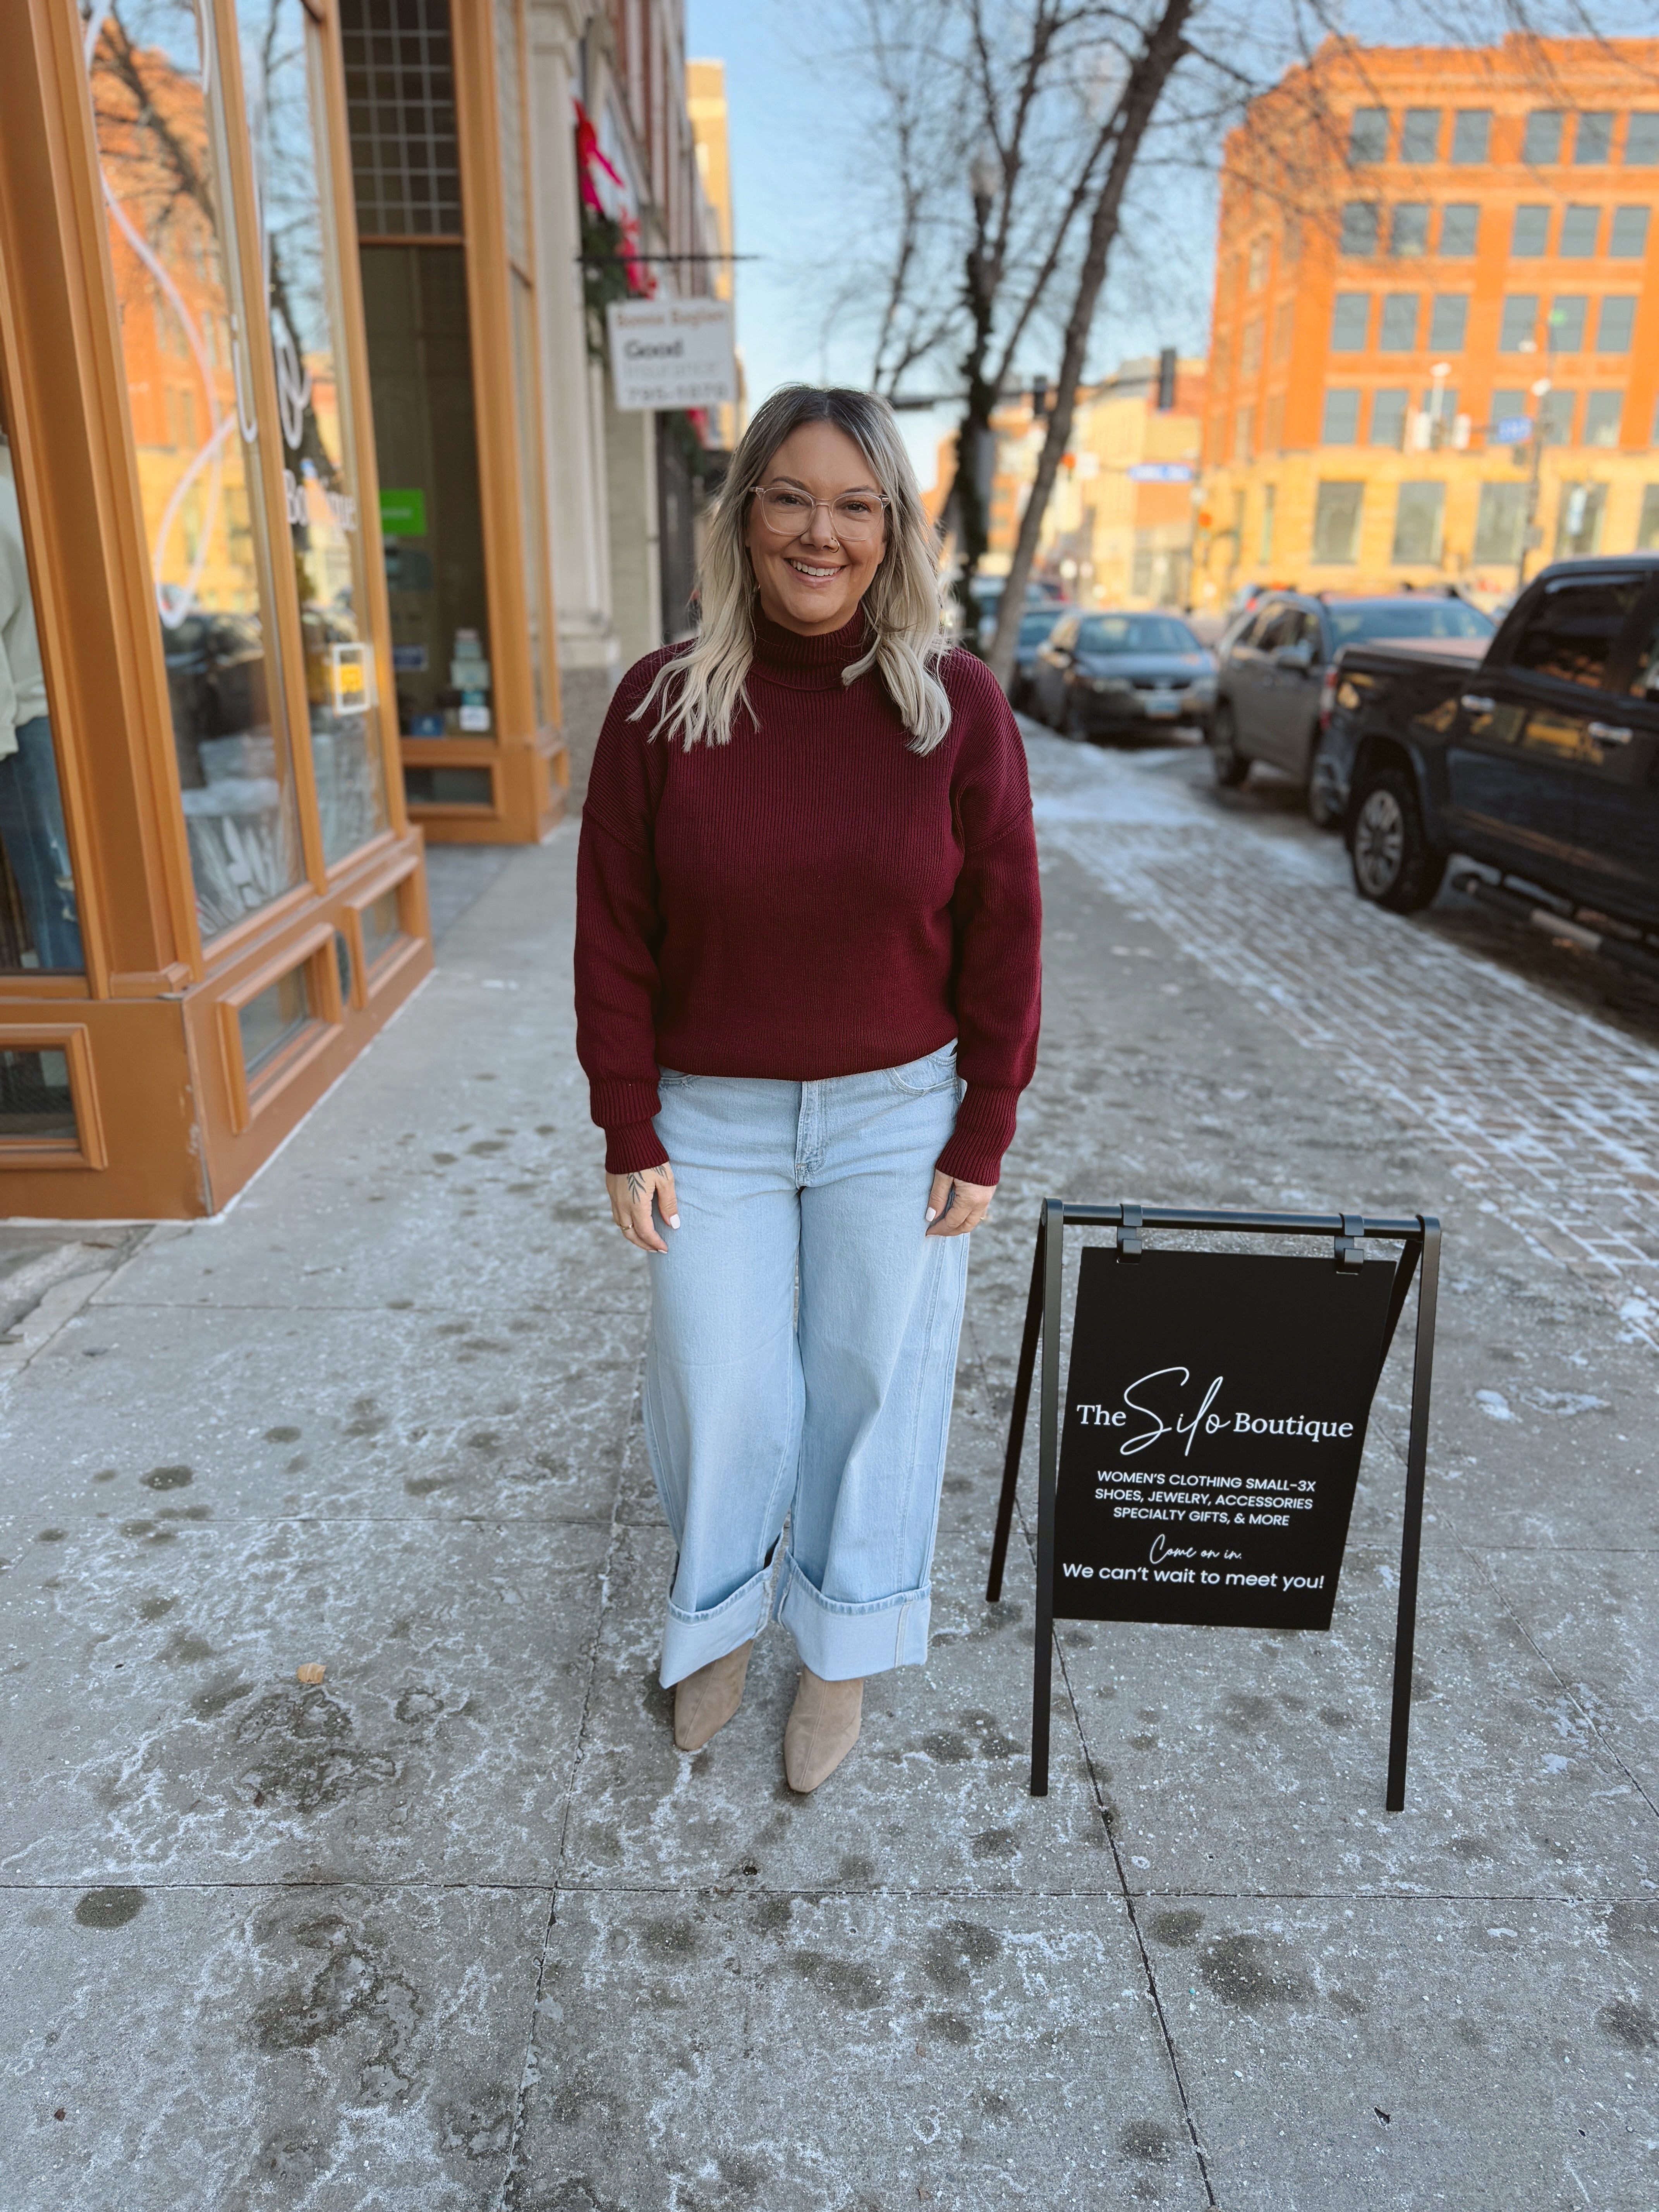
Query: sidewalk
[(457, 1928)]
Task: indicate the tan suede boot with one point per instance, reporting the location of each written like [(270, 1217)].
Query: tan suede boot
[(705, 1701), (823, 1729)]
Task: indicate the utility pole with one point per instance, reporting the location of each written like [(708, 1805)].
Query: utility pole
[(1540, 392)]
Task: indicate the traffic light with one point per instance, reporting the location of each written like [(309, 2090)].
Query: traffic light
[(1166, 379)]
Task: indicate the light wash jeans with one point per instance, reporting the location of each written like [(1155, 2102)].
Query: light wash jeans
[(802, 1355)]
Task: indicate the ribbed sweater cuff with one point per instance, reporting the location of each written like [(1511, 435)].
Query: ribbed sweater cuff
[(630, 1147), (984, 1131)]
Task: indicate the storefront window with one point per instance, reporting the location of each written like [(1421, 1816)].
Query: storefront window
[(283, 74), (38, 928), (161, 149)]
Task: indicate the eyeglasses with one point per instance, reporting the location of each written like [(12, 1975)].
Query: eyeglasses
[(855, 517)]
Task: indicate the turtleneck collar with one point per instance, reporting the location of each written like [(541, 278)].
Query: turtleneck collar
[(808, 664)]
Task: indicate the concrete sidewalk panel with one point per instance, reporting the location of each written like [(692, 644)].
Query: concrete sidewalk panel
[(845, 2053), (156, 1728), (211, 2050), (504, 1413), (1487, 2054), (934, 1797), (1248, 1763)]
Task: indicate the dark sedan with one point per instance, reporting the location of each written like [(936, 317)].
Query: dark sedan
[(1036, 627), (1121, 676)]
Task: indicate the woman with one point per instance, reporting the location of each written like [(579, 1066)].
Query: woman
[(807, 917)]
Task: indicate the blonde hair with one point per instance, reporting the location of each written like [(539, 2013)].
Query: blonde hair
[(702, 689)]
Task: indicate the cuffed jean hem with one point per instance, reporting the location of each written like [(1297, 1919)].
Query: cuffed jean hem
[(844, 1643), (691, 1640)]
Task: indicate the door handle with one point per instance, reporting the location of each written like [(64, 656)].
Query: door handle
[(1609, 733), (1474, 703)]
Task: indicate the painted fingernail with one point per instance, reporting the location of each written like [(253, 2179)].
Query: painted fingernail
[(674, 1221), (932, 1213)]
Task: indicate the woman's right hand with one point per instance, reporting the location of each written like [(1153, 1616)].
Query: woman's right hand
[(631, 1197)]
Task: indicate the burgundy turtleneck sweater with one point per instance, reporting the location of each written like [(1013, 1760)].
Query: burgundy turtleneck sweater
[(811, 899)]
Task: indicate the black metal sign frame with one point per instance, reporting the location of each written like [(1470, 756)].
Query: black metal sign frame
[(1419, 1237)]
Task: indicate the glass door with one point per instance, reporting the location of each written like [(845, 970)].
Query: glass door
[(284, 81)]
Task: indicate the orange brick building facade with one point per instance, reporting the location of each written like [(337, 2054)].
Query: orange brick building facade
[(1412, 240)]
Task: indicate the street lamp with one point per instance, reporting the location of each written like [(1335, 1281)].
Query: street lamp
[(976, 445), (985, 178), (1539, 392), (1440, 372)]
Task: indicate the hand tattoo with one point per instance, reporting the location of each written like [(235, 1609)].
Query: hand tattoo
[(638, 1184)]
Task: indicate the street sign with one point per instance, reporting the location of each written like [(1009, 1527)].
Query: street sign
[(1161, 472), (1213, 1423), (1511, 430), (1214, 1417), (667, 353)]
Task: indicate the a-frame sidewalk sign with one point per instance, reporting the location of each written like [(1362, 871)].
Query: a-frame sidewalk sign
[(1215, 1413)]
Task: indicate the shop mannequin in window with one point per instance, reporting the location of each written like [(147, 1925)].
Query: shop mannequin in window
[(31, 810)]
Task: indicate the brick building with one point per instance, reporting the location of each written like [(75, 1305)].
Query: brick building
[(1418, 248)]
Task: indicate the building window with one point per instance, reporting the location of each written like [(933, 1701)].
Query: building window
[(1460, 226), (1368, 135), (1360, 222), (1408, 232), (1500, 522), (1440, 412), (213, 546), (1420, 135), (1555, 413), (1249, 359), (1351, 322), (1520, 322), (1642, 141), (1448, 320), (1269, 503), (1336, 523), (1603, 411), (1244, 444), (1256, 273), (1341, 423), (1567, 323), (1284, 329), (1507, 406), (1579, 520), (400, 95), (1389, 418), (1647, 527), (1530, 233), (1274, 439), (1629, 241), (1593, 144), (1398, 333), (1542, 142), (1417, 517), (1471, 135), (1579, 228), (1616, 326)]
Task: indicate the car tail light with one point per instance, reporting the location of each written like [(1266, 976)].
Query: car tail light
[(1326, 700)]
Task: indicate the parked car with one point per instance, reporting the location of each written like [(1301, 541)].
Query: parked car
[(1041, 595), (1121, 676), (1035, 625), (1267, 686), (1540, 760)]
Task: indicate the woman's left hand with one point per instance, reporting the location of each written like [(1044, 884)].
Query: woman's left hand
[(954, 1207)]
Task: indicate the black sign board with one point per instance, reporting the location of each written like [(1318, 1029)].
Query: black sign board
[(1214, 1417), (1213, 1422)]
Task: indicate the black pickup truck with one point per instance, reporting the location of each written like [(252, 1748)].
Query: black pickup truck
[(1538, 760)]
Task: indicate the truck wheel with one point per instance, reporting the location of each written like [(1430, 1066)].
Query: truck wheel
[(1395, 866), (1230, 764)]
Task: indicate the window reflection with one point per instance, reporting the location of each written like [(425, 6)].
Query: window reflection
[(37, 923), (283, 72), (177, 289)]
